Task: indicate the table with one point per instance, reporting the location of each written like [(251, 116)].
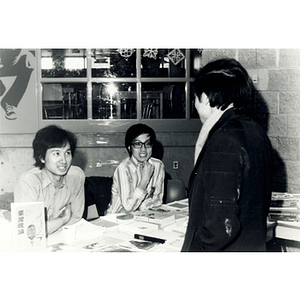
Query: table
[(286, 237), (118, 235)]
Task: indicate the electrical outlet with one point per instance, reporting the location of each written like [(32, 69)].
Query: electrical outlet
[(175, 164)]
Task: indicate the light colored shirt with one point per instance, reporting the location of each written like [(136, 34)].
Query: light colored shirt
[(35, 185), (127, 196)]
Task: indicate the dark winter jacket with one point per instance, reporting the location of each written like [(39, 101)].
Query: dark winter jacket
[(230, 188)]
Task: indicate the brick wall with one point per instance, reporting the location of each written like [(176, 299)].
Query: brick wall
[(277, 105)]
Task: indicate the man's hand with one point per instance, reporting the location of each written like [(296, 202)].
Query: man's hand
[(147, 172)]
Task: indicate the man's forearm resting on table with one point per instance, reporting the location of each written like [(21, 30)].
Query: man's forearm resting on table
[(55, 224)]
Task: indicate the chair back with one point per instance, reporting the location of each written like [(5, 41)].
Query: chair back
[(97, 190), (176, 190)]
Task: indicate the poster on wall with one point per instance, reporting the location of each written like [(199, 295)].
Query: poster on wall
[(18, 111)]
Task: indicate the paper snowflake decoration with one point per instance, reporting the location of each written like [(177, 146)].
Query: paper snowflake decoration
[(151, 53), (126, 52), (176, 56)]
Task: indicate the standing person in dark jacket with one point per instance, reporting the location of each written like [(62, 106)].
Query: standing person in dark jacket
[(230, 185)]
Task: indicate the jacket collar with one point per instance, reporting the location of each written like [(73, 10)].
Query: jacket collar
[(225, 118)]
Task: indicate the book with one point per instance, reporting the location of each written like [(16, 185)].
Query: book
[(161, 217), (284, 208), (284, 196), (284, 216), (181, 218), (28, 226), (84, 231), (284, 203), (124, 218), (179, 205), (133, 245), (106, 224), (285, 200)]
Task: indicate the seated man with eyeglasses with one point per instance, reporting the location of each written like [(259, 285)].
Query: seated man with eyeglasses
[(138, 181)]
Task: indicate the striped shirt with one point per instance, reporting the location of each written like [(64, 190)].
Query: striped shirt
[(127, 196)]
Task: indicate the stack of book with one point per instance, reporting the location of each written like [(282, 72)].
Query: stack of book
[(159, 216), (285, 207)]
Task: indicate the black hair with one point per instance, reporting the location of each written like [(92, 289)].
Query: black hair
[(49, 137), (225, 81), (136, 130)]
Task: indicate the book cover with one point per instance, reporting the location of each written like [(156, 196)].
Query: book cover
[(142, 245), (28, 226), (136, 245), (161, 217), (179, 205), (124, 218)]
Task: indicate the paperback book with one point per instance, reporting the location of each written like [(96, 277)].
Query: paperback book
[(284, 216), (28, 226), (179, 205), (285, 200), (124, 218), (159, 216)]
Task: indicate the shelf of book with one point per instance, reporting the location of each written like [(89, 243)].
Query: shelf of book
[(285, 212)]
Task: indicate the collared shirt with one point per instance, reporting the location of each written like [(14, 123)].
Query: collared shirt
[(127, 196), (35, 185)]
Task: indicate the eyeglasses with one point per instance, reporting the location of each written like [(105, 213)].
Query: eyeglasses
[(138, 145)]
